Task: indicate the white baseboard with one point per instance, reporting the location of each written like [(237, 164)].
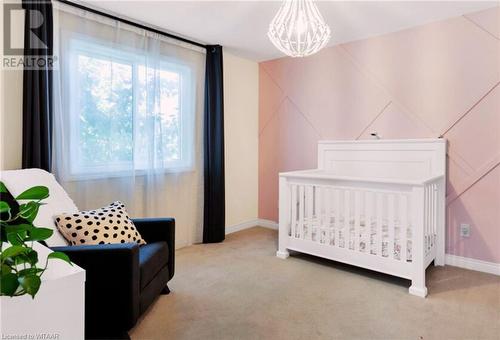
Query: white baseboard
[(473, 264), (241, 226), (451, 260), (267, 224), (252, 223)]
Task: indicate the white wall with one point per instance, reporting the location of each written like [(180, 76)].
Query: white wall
[(241, 100)]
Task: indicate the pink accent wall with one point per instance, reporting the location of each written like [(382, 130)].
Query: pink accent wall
[(438, 79)]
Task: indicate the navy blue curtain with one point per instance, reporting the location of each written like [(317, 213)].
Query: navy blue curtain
[(214, 224), (37, 85)]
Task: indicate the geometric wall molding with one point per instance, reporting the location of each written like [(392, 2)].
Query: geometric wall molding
[(476, 177), (487, 20)]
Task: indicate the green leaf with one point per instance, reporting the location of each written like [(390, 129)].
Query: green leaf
[(29, 210), (3, 188), (8, 284), (39, 234), (31, 257), (60, 256), (35, 193), (16, 238), (30, 283), (13, 251), (20, 259), (18, 228), (4, 207), (28, 271), (5, 269)]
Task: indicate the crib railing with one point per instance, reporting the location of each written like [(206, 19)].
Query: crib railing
[(371, 220)]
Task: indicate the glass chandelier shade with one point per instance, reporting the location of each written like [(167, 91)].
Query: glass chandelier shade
[(298, 29)]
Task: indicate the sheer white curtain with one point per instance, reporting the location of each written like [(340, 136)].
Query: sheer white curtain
[(128, 120)]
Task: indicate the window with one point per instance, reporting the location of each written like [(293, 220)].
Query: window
[(128, 111)]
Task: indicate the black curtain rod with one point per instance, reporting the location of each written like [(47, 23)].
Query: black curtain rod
[(132, 23)]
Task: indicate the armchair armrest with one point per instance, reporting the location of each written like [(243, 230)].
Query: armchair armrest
[(112, 284), (159, 229)]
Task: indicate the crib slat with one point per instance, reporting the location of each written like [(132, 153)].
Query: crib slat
[(428, 218), (430, 212), (320, 213), (431, 216), (333, 221), (293, 219), (431, 208), (337, 217), (301, 211), (426, 215), (310, 211), (357, 209), (433, 224), (379, 237), (403, 228), (435, 214), (390, 217), (368, 221), (347, 219), (326, 222)]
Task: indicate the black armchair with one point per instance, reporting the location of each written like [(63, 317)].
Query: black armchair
[(122, 280)]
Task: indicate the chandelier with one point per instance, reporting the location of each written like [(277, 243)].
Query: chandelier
[(298, 29)]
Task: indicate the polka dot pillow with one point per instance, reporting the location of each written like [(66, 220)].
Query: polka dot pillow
[(106, 225)]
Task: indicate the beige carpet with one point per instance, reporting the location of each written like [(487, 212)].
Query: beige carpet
[(240, 290)]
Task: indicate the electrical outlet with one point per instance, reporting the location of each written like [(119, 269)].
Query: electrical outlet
[(464, 230)]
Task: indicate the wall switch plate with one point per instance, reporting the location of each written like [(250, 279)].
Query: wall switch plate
[(464, 230)]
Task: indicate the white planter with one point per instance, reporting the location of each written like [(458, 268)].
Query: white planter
[(58, 310)]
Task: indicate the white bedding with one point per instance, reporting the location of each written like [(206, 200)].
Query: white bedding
[(326, 231)]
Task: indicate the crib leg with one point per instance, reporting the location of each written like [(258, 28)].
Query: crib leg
[(418, 287), (284, 193), (282, 254)]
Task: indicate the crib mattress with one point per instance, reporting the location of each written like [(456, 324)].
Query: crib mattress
[(324, 230)]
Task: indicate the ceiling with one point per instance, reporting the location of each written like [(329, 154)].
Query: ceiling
[(241, 26)]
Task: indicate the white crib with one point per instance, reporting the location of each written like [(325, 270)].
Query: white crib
[(377, 204)]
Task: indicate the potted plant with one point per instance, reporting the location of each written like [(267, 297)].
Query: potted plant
[(20, 271), (58, 310)]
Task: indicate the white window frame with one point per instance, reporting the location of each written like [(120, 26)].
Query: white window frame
[(92, 48)]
